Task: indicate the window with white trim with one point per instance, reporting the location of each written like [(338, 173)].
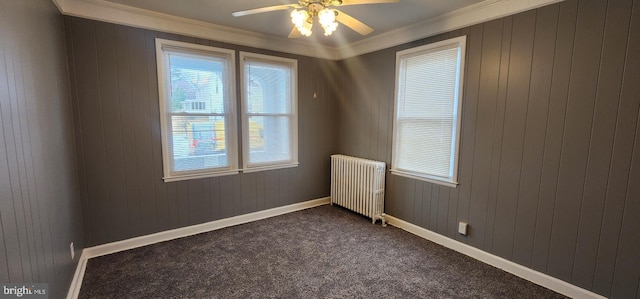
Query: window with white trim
[(269, 112), (197, 106), (426, 127)]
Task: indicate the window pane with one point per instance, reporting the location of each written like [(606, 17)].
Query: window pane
[(425, 147), (269, 139), (428, 84), (267, 88), (196, 83), (198, 142)]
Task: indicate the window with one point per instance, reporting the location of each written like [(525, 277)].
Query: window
[(269, 112), (197, 106), (426, 129)]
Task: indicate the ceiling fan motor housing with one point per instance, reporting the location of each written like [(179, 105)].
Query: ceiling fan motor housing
[(322, 3)]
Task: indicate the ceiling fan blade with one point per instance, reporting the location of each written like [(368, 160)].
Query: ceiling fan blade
[(263, 9), (353, 23), (295, 33), (354, 2)]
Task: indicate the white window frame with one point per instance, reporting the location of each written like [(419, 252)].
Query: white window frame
[(230, 113), (293, 129), (452, 180)]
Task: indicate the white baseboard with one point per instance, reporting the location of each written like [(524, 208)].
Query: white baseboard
[(127, 244), (534, 276), (76, 282)]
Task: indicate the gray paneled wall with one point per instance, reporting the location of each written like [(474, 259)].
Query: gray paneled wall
[(117, 121), (40, 211), (550, 150)]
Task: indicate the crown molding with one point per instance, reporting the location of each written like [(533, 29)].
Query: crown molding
[(470, 15), (111, 12), (106, 11)]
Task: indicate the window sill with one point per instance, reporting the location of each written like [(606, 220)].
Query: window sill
[(198, 176), (425, 178), (269, 167), (177, 178)]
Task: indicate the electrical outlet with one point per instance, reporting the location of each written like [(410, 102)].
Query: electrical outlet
[(73, 251), (462, 228)]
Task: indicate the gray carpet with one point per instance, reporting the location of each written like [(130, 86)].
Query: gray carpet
[(323, 252)]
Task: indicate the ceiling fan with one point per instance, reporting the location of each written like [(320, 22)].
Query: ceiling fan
[(305, 10)]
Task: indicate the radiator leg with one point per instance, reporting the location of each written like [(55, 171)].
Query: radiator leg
[(383, 219)]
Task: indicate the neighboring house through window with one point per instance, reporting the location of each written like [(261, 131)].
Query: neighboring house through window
[(197, 106)]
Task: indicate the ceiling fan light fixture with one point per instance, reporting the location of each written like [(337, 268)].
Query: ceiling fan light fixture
[(305, 29), (300, 18), (327, 18)]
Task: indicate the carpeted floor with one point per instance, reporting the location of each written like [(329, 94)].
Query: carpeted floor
[(323, 252)]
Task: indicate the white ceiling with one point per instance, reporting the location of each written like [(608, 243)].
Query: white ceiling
[(381, 17), (393, 23)]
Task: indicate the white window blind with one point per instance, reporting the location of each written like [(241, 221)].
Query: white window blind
[(269, 111), (196, 87), (427, 123)]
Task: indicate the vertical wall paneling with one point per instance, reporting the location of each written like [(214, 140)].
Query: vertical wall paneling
[(248, 193), (426, 203), (487, 96), (195, 203), (602, 133), (182, 202), (7, 208), (619, 169), (214, 193), (34, 166), (409, 194), (534, 135), (517, 98), (548, 152), (225, 192), (395, 191), (114, 162), (627, 266), (24, 158), (16, 157), (4, 275), (418, 203), (468, 129), (5, 187), (90, 119), (271, 188), (575, 143), (259, 192), (454, 194), (160, 187), (443, 210), (555, 130), (128, 200), (82, 181), (40, 208), (142, 124), (497, 131)]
